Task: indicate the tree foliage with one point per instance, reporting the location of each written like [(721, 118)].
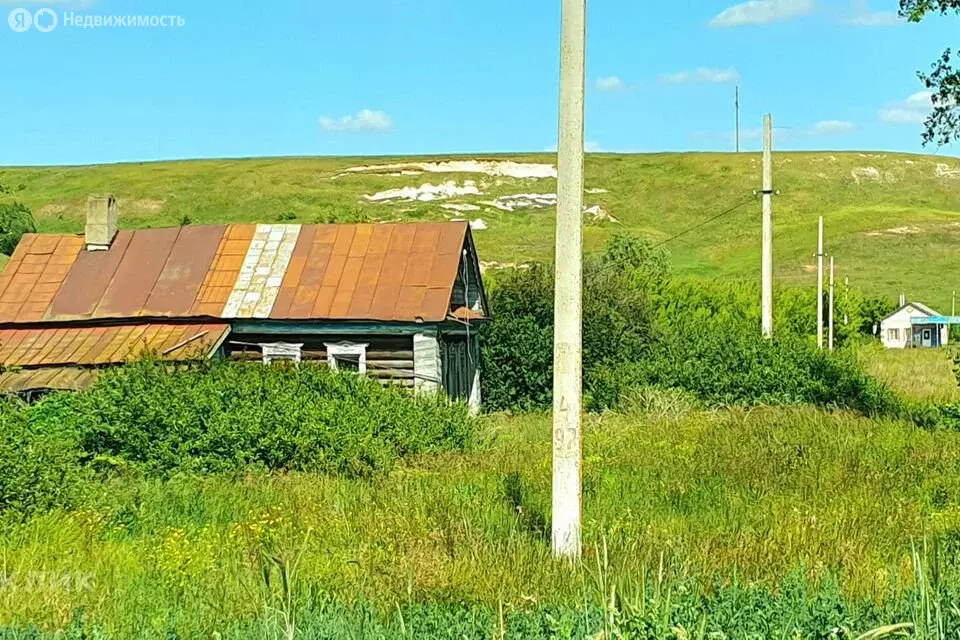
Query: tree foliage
[(943, 124), (644, 328), (15, 220)]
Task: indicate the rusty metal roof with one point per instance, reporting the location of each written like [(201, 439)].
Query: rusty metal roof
[(51, 346), (385, 272), (56, 378)]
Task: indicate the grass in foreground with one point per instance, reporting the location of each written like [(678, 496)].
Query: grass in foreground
[(755, 523)]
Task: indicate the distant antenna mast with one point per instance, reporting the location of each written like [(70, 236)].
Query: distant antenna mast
[(736, 103)]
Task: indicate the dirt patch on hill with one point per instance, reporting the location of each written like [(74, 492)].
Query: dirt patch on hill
[(52, 210)]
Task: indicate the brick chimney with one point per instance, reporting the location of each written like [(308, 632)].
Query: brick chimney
[(101, 222)]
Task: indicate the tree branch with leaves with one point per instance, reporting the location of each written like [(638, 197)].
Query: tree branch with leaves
[(943, 124)]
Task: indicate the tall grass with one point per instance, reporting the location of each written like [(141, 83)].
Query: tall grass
[(754, 523), (920, 374)]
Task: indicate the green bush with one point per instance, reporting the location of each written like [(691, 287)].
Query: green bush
[(222, 416), (15, 220), (642, 328), (40, 462), (617, 305)]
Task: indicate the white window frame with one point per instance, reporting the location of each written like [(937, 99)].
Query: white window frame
[(281, 351), (343, 349)]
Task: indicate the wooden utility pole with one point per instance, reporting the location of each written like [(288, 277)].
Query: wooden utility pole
[(831, 303), (820, 284), (736, 108), (568, 330), (767, 258)]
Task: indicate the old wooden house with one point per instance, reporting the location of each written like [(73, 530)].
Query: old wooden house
[(398, 302)]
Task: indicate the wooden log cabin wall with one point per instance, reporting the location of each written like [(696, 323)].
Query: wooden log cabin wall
[(388, 359)]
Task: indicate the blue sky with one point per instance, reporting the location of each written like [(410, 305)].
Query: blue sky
[(455, 76)]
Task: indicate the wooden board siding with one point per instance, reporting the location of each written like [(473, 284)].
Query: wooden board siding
[(389, 358)]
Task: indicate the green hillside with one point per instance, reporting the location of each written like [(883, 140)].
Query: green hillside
[(893, 220)]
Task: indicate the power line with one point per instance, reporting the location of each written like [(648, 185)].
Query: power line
[(702, 224), (687, 231)]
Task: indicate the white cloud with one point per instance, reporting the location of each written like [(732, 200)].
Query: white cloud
[(366, 120), (763, 12), (863, 16), (781, 135), (609, 83), (913, 110), (831, 127), (703, 75)]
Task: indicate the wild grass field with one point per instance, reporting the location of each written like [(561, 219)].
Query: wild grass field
[(921, 374), (893, 220), (740, 523)]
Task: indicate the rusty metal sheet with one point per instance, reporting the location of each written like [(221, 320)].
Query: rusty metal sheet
[(186, 268), (346, 287), (137, 274), (53, 378), (88, 280), (34, 274), (410, 303), (387, 272), (435, 303), (71, 345), (401, 240), (452, 237), (366, 287), (419, 269), (223, 274), (294, 274)]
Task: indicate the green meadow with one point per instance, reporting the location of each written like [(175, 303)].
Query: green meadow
[(739, 523)]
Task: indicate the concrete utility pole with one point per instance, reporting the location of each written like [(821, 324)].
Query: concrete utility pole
[(736, 108), (767, 259), (568, 331), (820, 285), (831, 303)]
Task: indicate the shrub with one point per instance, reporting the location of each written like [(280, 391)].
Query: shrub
[(15, 220), (641, 328), (40, 461), (518, 344), (221, 416)]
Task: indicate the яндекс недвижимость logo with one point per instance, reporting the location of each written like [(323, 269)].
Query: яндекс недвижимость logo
[(46, 20), (43, 20)]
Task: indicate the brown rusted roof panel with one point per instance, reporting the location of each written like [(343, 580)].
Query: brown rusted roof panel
[(186, 268), (34, 274), (141, 266), (388, 272), (70, 345), (52, 378), (88, 280)]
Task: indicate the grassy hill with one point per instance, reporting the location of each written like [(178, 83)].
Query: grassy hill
[(892, 220)]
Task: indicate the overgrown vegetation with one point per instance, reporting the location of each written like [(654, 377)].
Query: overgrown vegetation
[(772, 522), (15, 220), (644, 328), (159, 420)]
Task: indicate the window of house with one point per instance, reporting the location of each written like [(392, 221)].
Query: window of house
[(347, 356), (893, 334), (280, 351)]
